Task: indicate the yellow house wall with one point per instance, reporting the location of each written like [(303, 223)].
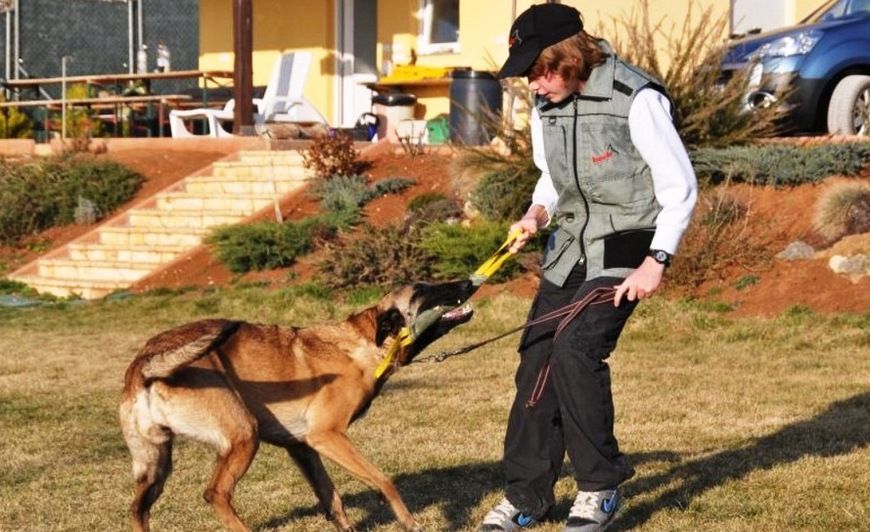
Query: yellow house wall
[(802, 8), (484, 26), (279, 26)]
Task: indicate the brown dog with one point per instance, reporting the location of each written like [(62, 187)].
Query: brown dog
[(231, 384)]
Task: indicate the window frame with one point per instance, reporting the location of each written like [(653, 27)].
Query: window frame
[(424, 44)]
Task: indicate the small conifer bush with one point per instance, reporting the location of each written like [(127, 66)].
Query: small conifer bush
[(772, 164), (48, 193), (456, 250), (268, 245)]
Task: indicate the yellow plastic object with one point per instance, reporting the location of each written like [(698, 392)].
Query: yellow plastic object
[(493, 263), (403, 339), (415, 73), (406, 336)]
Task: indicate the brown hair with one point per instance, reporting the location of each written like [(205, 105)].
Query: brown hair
[(572, 58)]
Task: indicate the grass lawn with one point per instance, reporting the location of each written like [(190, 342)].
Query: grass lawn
[(747, 424)]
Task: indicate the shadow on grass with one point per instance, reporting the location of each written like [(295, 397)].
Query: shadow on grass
[(842, 428), (456, 490)]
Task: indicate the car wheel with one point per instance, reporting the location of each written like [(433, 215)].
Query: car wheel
[(849, 110)]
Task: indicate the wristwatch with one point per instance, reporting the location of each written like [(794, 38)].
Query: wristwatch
[(661, 256)]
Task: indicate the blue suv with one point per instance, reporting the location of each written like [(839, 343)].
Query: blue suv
[(821, 65)]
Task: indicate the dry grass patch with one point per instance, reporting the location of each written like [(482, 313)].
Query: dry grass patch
[(731, 424)]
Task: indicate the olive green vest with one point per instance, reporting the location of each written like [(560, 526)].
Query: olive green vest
[(607, 208)]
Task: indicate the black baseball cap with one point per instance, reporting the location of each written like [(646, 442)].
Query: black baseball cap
[(536, 28)]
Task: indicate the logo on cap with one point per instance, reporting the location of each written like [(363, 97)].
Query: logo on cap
[(515, 39)]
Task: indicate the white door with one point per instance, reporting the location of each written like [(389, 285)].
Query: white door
[(356, 45), (751, 15)]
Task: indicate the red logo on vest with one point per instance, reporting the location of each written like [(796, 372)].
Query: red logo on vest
[(598, 159), (608, 154)]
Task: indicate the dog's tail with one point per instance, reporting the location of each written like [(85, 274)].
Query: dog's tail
[(167, 352)]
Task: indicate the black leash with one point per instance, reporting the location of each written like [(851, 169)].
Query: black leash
[(567, 313)]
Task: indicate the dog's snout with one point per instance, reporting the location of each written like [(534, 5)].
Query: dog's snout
[(466, 287)]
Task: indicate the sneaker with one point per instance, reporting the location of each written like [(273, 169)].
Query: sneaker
[(505, 516), (593, 510)]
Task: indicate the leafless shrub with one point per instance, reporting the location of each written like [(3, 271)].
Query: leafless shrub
[(709, 109), (842, 210)]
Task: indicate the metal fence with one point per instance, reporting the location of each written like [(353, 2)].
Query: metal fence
[(97, 37)]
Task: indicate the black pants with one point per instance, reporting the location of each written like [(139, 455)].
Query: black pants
[(575, 411)]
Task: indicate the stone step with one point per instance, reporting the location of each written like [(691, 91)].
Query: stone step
[(67, 288), (139, 236), (87, 270), (153, 218), (274, 157), (239, 169), (226, 185), (249, 203), (153, 255)]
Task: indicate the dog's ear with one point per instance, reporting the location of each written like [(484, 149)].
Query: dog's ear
[(389, 323)]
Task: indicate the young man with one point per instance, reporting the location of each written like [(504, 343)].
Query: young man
[(616, 181)]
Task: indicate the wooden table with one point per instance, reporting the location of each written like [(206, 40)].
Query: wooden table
[(111, 102)]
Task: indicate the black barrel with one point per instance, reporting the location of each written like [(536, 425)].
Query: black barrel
[(475, 106)]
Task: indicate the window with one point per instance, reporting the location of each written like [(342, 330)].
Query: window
[(439, 26)]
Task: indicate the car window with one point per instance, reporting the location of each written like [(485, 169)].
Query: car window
[(836, 9), (860, 6)]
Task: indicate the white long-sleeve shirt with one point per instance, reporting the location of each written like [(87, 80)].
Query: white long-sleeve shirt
[(656, 139)]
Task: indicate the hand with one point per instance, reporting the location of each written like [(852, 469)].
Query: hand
[(528, 226), (641, 283)]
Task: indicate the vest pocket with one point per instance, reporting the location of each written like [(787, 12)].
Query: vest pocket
[(556, 149), (556, 245), (615, 172)]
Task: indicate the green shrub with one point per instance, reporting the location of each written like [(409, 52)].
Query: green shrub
[(842, 210), (269, 245), (392, 255), (8, 287), (48, 193), (505, 191), (392, 185), (778, 164), (746, 281), (343, 193), (333, 156), (386, 257), (431, 207), (81, 124), (14, 124), (421, 201), (456, 251)]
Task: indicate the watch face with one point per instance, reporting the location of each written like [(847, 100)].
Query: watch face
[(660, 256)]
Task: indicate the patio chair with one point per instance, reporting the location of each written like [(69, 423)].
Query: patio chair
[(282, 101)]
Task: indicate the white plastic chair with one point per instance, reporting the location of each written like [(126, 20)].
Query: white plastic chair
[(282, 101)]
